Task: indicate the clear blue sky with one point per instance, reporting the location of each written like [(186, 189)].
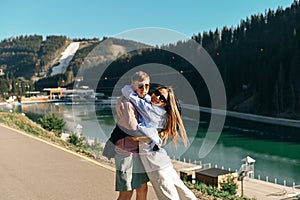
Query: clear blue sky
[(96, 18)]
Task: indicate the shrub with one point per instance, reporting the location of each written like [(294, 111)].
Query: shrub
[(73, 139), (228, 185), (78, 141), (52, 123)]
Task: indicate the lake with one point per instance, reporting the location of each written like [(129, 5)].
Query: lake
[(276, 149)]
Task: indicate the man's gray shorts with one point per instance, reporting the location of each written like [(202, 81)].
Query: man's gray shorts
[(130, 173)]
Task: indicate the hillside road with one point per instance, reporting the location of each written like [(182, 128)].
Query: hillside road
[(31, 168)]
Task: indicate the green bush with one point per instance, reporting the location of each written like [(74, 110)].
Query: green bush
[(78, 141), (73, 139), (223, 193), (228, 185), (52, 123)]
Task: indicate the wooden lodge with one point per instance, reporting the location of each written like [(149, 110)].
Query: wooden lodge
[(214, 176)]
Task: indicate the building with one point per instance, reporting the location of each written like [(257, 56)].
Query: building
[(54, 93), (215, 176), (248, 167)]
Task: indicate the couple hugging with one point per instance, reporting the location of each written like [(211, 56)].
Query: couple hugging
[(144, 124)]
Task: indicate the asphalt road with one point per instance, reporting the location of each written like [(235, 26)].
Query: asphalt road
[(32, 169)]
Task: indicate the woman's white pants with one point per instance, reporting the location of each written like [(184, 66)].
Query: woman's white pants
[(168, 185)]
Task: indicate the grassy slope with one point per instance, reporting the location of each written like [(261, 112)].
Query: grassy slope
[(22, 123)]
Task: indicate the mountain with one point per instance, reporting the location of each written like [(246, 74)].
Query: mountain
[(94, 52), (30, 56), (258, 60), (32, 59)]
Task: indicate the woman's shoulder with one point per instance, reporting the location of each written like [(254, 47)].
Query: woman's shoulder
[(159, 109)]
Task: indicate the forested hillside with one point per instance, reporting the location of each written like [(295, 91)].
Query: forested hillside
[(23, 56), (259, 61), (18, 56), (25, 59), (67, 79)]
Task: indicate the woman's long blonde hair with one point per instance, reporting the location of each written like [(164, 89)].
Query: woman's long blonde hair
[(173, 121)]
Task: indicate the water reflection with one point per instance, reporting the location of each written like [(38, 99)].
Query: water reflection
[(275, 149)]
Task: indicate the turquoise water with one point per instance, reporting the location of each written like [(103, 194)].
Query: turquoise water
[(276, 149)]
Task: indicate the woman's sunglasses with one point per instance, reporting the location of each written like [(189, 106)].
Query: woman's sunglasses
[(160, 96)]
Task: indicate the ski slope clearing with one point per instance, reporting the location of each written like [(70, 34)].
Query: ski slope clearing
[(65, 59)]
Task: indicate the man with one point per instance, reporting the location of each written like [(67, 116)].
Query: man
[(129, 169)]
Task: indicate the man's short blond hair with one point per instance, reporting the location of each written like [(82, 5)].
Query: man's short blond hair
[(140, 76)]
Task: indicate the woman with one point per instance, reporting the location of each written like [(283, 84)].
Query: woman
[(160, 115)]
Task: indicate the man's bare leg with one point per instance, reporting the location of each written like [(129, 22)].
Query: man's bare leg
[(141, 193), (125, 195)]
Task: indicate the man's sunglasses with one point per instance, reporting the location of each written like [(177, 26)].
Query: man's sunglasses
[(160, 96), (140, 86)]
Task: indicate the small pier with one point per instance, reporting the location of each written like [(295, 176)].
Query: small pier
[(252, 188)]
